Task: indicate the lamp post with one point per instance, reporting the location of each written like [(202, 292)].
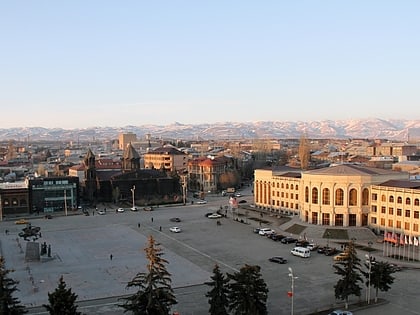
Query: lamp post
[(370, 271), (65, 202), (328, 239), (132, 193), (292, 292)]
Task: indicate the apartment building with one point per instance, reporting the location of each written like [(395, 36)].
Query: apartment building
[(168, 158)]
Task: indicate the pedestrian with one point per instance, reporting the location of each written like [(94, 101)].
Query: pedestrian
[(160, 228), (7, 232), (138, 224), (152, 219), (110, 257)]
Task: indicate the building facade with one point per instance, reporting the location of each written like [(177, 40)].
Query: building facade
[(166, 158), (332, 196)]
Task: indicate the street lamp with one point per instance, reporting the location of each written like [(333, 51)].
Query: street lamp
[(370, 271), (132, 193), (292, 292)]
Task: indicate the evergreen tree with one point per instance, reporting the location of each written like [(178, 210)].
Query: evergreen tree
[(350, 271), (154, 295), (9, 305), (247, 292), (62, 300), (380, 276), (218, 295)]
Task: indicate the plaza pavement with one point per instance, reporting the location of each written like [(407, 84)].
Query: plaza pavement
[(81, 248)]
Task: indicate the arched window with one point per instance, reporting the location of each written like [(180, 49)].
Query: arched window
[(339, 197), (315, 195), (291, 186), (287, 186), (282, 185), (306, 194), (391, 198), (399, 199), (365, 197), (326, 196), (407, 201), (353, 197), (416, 201)]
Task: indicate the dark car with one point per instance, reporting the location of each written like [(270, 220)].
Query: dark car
[(256, 230), (302, 243), (276, 237), (208, 214), (330, 251), (175, 219), (242, 201), (288, 240), (277, 259)]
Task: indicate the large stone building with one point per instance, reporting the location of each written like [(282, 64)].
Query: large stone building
[(334, 196)]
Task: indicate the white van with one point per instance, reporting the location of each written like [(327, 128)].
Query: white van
[(301, 252)]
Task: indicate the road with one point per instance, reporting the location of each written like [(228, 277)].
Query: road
[(81, 248)]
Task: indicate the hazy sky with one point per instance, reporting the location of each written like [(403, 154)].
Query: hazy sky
[(76, 64)]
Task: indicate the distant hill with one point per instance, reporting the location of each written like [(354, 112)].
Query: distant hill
[(373, 128)]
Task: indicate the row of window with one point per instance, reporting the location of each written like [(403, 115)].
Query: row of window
[(407, 213), (398, 224), (283, 186), (285, 195), (339, 196), (399, 199), (14, 202)]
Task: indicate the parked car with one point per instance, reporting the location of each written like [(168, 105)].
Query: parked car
[(175, 229), (48, 216), (214, 216), (148, 208), (120, 210), (175, 219), (276, 237), (330, 251), (242, 201), (134, 209), (339, 312), (312, 246), (22, 221), (302, 243), (201, 202), (278, 259), (101, 212), (266, 231), (256, 230), (341, 257), (288, 240)]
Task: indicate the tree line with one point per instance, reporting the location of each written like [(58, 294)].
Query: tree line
[(240, 293)]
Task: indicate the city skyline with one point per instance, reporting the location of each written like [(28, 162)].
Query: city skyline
[(84, 64)]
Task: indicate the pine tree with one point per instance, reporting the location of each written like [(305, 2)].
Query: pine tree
[(62, 300), (380, 276), (154, 294), (218, 299), (350, 271), (247, 291), (9, 305)]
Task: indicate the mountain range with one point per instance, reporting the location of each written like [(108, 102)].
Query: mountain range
[(372, 128)]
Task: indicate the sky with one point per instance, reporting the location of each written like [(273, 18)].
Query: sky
[(79, 64)]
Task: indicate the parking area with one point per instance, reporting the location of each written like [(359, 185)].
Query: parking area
[(81, 247)]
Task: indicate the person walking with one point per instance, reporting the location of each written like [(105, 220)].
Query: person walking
[(110, 257), (152, 219)]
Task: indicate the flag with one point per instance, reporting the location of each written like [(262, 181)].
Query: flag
[(401, 239), (405, 240), (410, 241), (416, 241), (395, 238)]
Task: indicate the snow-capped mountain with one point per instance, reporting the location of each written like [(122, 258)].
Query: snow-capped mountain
[(373, 128)]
